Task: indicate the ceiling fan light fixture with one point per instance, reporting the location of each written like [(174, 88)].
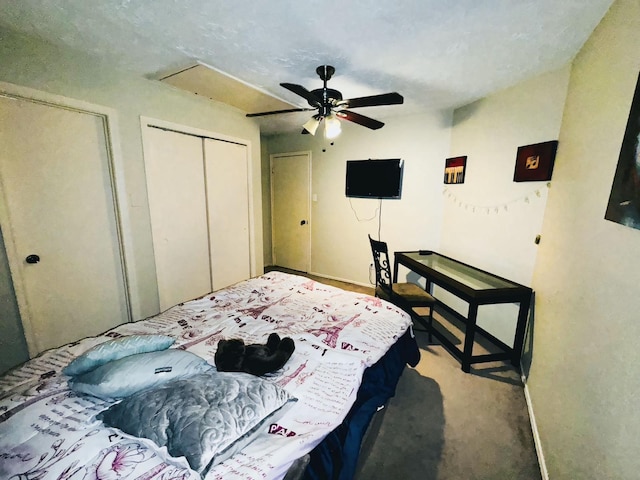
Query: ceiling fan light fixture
[(312, 125), (332, 107), (332, 127)]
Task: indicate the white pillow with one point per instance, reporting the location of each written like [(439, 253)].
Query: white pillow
[(116, 349), (128, 375)]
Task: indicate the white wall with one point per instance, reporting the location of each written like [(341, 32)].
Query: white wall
[(585, 378), (339, 245), (490, 221), (508, 215), (44, 67)]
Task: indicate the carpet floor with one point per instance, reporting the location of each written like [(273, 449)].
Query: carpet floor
[(444, 424)]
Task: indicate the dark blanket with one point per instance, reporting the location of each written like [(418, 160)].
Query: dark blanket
[(336, 457)]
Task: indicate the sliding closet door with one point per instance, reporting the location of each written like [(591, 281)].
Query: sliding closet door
[(59, 222), (199, 202), (177, 202), (228, 205)]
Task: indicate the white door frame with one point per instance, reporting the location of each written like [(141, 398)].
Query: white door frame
[(118, 192), (307, 153)]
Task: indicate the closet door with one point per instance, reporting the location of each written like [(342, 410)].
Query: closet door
[(228, 205), (177, 202), (59, 222)]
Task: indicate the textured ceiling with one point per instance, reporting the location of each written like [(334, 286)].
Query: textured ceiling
[(437, 54)]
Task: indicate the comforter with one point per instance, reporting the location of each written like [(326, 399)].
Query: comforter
[(48, 431)]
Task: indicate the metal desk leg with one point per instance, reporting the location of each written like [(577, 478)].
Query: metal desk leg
[(427, 286), (521, 327), (470, 332), (395, 269)]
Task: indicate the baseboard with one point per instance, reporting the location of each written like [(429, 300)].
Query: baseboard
[(329, 277), (536, 435), (341, 279)]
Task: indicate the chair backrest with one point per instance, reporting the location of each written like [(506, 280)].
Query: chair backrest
[(380, 253)]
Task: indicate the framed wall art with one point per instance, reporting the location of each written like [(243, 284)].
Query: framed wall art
[(534, 163), (454, 169), (624, 199)]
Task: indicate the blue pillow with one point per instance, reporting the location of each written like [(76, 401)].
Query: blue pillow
[(116, 349), (128, 375)]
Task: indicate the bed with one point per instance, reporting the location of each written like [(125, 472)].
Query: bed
[(306, 420)]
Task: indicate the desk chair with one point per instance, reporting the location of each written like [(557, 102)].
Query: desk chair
[(407, 296)]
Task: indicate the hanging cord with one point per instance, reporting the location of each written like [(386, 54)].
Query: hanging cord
[(364, 219), (377, 212), (379, 218), (372, 271)]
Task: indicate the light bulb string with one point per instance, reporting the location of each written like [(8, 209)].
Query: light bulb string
[(500, 207)]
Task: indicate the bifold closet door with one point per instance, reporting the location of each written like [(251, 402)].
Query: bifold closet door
[(59, 222), (174, 166), (228, 205)]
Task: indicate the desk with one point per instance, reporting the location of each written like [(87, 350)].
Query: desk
[(476, 287)]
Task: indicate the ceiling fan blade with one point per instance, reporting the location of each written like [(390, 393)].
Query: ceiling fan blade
[(261, 114), (303, 92), (373, 100), (360, 119)]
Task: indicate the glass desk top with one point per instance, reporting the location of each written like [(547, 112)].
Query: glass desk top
[(465, 274), (476, 287)]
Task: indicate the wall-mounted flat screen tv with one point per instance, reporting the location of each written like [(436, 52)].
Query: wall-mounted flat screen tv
[(374, 178)]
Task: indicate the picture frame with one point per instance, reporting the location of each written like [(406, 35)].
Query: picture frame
[(455, 169), (624, 200), (534, 163)]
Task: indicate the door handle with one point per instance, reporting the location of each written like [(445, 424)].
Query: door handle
[(33, 258), (303, 222)]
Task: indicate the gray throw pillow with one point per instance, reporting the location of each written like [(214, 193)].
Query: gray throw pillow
[(205, 418)]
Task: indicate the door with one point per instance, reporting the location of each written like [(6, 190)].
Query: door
[(290, 210), (59, 222), (177, 205), (227, 184), (198, 190)]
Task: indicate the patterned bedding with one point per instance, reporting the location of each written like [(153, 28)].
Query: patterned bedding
[(48, 431)]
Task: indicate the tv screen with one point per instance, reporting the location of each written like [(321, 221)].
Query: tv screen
[(374, 178)]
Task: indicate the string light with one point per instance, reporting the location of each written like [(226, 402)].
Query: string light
[(497, 208)]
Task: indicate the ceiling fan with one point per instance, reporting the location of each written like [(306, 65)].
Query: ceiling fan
[(331, 106)]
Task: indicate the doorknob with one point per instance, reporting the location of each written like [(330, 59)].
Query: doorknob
[(303, 222), (33, 258)]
